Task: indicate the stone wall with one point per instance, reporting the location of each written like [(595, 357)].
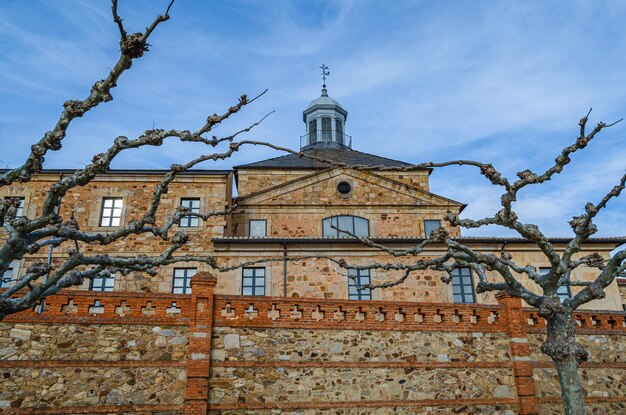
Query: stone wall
[(48, 366), (319, 277), (250, 180), (165, 354), (602, 376), (136, 190), (296, 208)]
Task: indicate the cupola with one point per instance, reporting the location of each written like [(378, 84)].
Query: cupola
[(325, 121)]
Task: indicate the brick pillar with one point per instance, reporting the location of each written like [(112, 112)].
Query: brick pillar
[(199, 348), (520, 353)]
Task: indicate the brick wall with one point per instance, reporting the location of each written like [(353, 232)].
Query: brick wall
[(231, 355)]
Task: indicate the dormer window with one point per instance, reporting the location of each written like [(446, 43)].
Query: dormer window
[(333, 227)]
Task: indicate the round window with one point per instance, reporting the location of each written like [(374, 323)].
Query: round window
[(344, 188)]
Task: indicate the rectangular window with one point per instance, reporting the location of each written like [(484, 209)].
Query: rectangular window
[(339, 131), (111, 214), (253, 282), (103, 283), (193, 206), (312, 131), (258, 228), (431, 225), (327, 129), (20, 208), (462, 286), (7, 278), (182, 280), (358, 278), (563, 292)]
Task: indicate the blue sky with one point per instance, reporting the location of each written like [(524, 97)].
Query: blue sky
[(504, 82)]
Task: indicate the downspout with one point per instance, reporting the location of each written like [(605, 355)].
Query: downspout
[(284, 269), (45, 278)]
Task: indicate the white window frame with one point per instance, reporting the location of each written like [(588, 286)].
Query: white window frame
[(111, 216), (190, 221), (461, 287), (432, 224), (103, 284), (336, 233), (257, 221), (362, 276), (183, 274), (253, 281)]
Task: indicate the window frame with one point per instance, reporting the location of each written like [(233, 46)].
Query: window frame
[(190, 218), (327, 134), (20, 209), (561, 295), (313, 131), (186, 278), (339, 130), (337, 231), (431, 221), (366, 292), (254, 278), (103, 286), (462, 285), (7, 283), (264, 228), (110, 218)]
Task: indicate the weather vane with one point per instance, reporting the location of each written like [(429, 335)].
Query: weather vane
[(325, 73)]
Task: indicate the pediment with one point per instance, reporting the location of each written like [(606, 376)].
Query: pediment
[(368, 188)]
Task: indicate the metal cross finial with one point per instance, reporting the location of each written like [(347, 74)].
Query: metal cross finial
[(325, 73)]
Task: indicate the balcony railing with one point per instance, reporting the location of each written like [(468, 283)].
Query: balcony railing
[(326, 136)]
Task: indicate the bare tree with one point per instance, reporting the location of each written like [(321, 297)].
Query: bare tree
[(560, 344), (27, 236)]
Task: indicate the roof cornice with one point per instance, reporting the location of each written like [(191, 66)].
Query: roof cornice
[(614, 240), (136, 171)]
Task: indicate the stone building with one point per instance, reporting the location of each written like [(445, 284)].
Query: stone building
[(292, 337), (286, 207)]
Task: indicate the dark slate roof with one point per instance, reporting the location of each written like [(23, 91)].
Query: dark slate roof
[(346, 156)]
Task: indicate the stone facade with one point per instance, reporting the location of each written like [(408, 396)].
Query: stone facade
[(293, 203)]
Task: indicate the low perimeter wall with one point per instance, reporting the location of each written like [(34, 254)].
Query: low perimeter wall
[(167, 354)]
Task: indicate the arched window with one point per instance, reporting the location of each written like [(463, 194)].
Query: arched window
[(333, 227), (312, 131), (327, 129), (339, 131)]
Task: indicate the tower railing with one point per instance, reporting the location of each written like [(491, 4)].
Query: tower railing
[(326, 136)]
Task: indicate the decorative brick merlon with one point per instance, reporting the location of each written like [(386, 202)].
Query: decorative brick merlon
[(203, 278)]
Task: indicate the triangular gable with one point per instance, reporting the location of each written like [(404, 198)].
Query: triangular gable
[(370, 189)]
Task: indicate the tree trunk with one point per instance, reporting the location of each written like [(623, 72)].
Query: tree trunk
[(571, 392), (566, 354)]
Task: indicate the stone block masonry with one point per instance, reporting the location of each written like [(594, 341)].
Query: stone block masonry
[(168, 354)]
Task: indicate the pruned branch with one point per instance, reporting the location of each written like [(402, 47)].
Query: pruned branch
[(132, 47)]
